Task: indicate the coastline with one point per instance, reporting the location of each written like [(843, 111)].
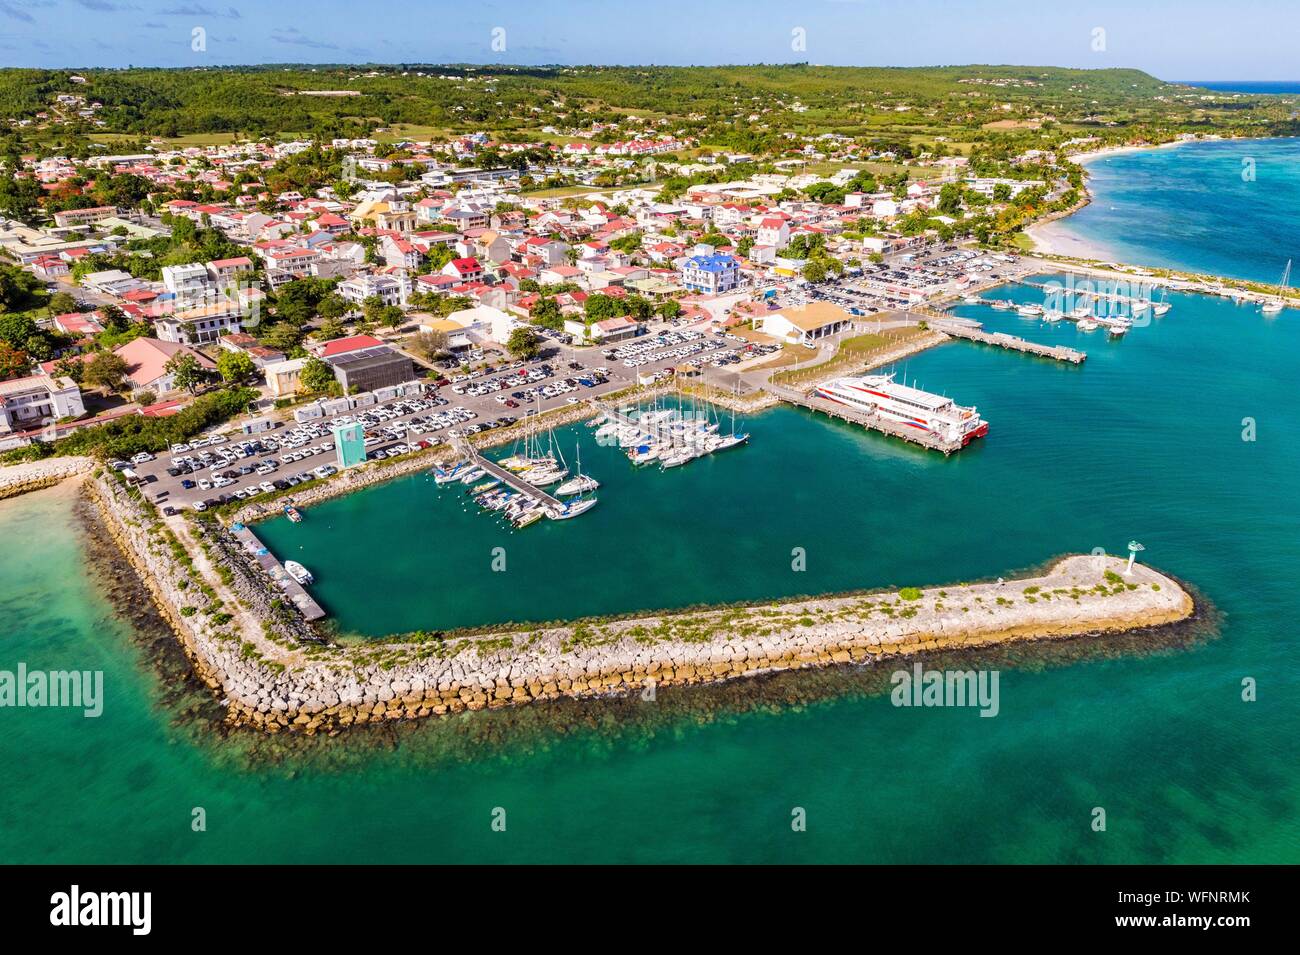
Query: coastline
[(255, 656), (1050, 235)]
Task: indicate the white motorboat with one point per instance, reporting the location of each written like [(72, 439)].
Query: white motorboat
[(298, 572), (447, 475), (472, 475)]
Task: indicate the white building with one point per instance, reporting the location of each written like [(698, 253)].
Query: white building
[(27, 403)]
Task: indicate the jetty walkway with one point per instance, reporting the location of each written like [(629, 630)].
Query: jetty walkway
[(271, 566), (506, 477), (1003, 340), (925, 439)]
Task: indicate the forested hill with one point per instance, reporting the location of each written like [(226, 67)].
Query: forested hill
[(271, 99)]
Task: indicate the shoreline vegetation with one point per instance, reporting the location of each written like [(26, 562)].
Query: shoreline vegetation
[(270, 671)]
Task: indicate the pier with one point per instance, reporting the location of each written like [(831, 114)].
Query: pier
[(506, 477), (831, 409), (975, 333), (271, 566), (654, 431)]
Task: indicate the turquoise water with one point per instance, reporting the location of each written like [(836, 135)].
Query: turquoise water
[(1144, 441), (1189, 207)]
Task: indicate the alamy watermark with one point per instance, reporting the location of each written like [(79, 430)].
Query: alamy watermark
[(920, 687), (78, 689)]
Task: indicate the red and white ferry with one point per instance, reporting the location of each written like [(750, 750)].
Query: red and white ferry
[(880, 395)]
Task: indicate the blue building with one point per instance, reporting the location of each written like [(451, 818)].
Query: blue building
[(711, 274)]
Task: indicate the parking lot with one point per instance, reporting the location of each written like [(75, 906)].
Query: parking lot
[(232, 466)]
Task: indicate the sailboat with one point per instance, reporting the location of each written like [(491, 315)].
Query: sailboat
[(579, 483), (1275, 305)]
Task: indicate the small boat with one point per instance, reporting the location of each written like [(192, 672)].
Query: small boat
[(1053, 316), (1001, 305), (1161, 308), (678, 458), (293, 513), (1273, 306), (545, 478), (1088, 325), (1029, 311), (473, 474), (529, 516), (1118, 327), (577, 485), (572, 509), (730, 441), (1082, 310), (447, 475), (298, 572), (971, 299), (644, 454), (483, 488)]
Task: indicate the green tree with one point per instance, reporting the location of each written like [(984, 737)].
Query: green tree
[(523, 343), (186, 371), (235, 367), (61, 303), (105, 370), (317, 376)]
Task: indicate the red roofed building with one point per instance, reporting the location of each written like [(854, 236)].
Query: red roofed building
[(463, 269), (341, 346)]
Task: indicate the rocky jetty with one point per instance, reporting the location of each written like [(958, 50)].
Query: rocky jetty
[(34, 475), (259, 657)]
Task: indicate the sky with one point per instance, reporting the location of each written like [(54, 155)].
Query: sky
[(1171, 39)]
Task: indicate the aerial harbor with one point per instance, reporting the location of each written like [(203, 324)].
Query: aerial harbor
[(828, 460)]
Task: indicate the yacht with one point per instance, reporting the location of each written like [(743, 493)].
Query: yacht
[(571, 509), (1029, 311), (1001, 305), (472, 475), (542, 477), (578, 485), (1088, 325), (447, 475), (298, 572), (1274, 305)]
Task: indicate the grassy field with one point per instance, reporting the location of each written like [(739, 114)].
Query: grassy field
[(852, 354)]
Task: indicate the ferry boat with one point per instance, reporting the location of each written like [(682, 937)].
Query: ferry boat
[(881, 395), (298, 572), (293, 513)]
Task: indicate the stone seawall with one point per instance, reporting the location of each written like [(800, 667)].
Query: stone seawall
[(255, 654), (34, 475)]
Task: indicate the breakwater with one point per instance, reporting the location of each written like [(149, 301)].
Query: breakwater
[(34, 475), (261, 659)]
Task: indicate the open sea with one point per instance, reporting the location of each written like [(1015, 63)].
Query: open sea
[(1181, 435)]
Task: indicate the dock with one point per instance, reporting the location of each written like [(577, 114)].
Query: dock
[(1012, 342), (925, 439), (652, 430), (506, 477), (261, 555)]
